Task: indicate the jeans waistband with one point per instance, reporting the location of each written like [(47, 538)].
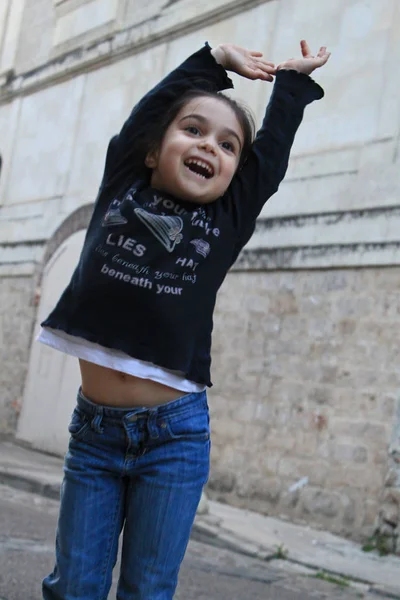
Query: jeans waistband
[(175, 407)]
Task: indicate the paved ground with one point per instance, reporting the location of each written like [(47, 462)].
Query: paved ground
[(27, 524)]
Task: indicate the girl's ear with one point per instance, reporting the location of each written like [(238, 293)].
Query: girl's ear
[(151, 159)]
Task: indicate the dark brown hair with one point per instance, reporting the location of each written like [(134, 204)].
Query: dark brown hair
[(154, 135)]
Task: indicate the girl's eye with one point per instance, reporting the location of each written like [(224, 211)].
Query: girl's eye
[(192, 129), (228, 146)]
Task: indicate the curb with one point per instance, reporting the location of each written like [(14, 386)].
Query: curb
[(385, 593), (30, 484), (208, 534), (211, 535)]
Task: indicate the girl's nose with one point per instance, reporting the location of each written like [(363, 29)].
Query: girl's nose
[(208, 147)]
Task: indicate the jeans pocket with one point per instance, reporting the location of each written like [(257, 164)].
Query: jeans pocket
[(79, 424), (189, 426)]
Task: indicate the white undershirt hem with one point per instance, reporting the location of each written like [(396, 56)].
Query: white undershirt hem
[(115, 359)]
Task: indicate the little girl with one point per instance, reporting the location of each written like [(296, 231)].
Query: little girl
[(182, 187)]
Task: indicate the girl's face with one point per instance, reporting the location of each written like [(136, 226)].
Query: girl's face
[(199, 153)]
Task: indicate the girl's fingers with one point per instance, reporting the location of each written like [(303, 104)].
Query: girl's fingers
[(256, 73), (305, 48), (265, 77), (322, 51), (267, 68), (255, 53), (262, 62), (249, 72), (324, 59), (264, 65)]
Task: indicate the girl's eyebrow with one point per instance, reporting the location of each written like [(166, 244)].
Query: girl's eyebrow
[(205, 121)]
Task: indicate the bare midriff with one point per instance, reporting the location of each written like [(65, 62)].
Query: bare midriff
[(113, 388)]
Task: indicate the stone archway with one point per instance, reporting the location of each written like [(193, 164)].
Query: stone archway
[(53, 378)]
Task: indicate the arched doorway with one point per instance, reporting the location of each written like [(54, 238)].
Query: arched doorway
[(53, 377)]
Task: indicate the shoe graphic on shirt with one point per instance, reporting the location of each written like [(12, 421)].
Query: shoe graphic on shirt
[(166, 230)]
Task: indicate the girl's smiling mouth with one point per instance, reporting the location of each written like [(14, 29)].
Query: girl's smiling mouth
[(200, 167)]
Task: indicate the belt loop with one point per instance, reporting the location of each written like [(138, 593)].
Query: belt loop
[(97, 420), (152, 424)]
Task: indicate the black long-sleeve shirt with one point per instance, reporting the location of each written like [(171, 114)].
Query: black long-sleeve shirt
[(151, 266)]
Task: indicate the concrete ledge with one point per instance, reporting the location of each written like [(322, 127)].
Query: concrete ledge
[(29, 483), (25, 269), (266, 538), (319, 257)]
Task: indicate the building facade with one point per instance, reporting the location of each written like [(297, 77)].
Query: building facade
[(305, 407)]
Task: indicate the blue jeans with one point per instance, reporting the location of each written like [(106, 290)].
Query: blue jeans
[(142, 470)]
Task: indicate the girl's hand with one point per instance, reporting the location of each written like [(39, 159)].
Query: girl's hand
[(308, 63), (247, 63)]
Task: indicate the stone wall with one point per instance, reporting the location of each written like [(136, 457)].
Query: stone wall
[(16, 322), (306, 380)]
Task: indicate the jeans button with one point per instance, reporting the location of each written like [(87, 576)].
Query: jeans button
[(132, 418)]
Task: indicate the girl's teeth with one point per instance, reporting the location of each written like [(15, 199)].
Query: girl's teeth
[(201, 164)]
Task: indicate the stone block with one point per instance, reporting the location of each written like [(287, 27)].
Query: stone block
[(389, 513), (203, 507), (283, 441), (315, 502), (376, 153), (370, 509), (360, 454), (374, 431), (269, 460), (136, 13), (296, 197), (8, 124), (284, 303), (350, 512), (44, 159), (290, 501), (354, 306), (379, 455), (392, 477), (293, 469), (389, 117), (392, 496), (82, 19), (108, 98), (255, 487), (333, 162), (306, 444), (35, 42), (14, 350), (227, 430), (221, 480), (3, 20), (350, 453), (11, 16), (318, 475), (356, 477)]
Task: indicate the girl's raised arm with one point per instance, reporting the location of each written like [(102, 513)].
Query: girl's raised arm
[(201, 71), (267, 163)]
